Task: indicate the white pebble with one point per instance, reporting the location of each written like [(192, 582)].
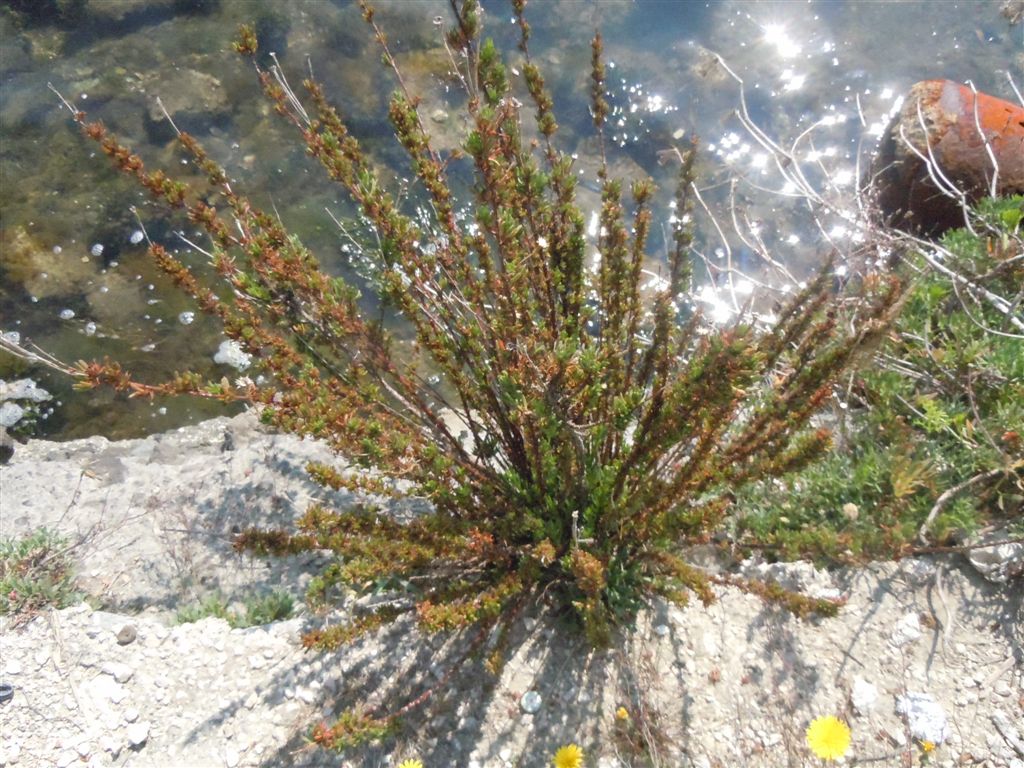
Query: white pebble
[(187, 318), (137, 734), (530, 702), (925, 718), (863, 696)]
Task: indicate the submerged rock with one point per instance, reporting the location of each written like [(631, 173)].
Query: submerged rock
[(946, 136), (194, 100)]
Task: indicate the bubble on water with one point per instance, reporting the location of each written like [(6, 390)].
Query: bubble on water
[(90, 329), (57, 249), (162, 410), (147, 347), (96, 250), (136, 237), (104, 289), (230, 353), (187, 318), (67, 314), (12, 337)]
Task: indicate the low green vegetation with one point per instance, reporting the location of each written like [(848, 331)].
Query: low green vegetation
[(35, 572), (935, 426), (263, 609)]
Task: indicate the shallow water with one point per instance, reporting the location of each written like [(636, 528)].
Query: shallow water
[(75, 278)]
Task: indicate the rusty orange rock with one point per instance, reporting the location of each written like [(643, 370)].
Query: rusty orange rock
[(939, 123)]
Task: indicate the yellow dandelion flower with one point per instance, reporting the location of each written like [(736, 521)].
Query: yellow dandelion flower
[(411, 764), (568, 757), (621, 714), (927, 746), (828, 737)]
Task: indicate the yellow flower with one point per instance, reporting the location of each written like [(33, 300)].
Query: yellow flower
[(621, 714), (828, 737), (927, 746), (411, 764), (568, 757)]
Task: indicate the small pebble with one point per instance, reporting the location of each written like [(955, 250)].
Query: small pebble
[(120, 672), (109, 744), (530, 702), (137, 734), (127, 634)]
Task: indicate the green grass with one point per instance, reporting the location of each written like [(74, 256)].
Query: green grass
[(952, 410), (274, 606), (35, 572)]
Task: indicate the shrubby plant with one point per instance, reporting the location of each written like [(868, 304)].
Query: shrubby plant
[(583, 432), (935, 440), (35, 572)]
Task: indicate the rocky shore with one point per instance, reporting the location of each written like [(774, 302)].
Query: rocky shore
[(924, 649)]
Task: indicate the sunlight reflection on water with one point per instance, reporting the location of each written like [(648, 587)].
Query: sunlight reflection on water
[(75, 275)]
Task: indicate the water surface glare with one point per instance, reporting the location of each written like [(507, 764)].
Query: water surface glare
[(75, 278)]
